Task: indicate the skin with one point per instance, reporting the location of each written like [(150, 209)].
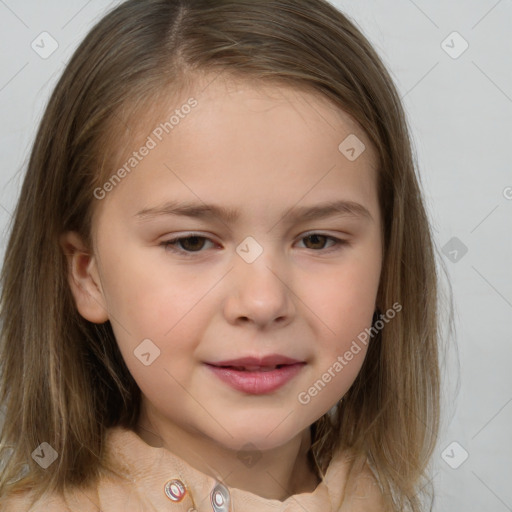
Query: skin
[(264, 150)]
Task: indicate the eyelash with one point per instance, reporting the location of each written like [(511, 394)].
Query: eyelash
[(172, 244)]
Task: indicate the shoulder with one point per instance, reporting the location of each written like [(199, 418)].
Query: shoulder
[(367, 495), (26, 502), (28, 498), (73, 500), (363, 492)]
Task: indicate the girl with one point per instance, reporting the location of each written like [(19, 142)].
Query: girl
[(220, 291)]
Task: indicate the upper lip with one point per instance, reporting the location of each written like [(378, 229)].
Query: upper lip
[(262, 362)]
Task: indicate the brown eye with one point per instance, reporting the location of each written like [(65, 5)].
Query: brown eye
[(192, 243), (186, 245), (317, 241)]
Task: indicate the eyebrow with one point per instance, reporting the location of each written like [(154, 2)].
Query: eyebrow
[(340, 208)]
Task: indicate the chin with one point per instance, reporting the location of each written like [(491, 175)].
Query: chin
[(261, 435)]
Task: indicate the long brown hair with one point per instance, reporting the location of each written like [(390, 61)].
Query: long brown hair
[(63, 380)]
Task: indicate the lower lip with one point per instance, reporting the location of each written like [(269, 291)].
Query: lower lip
[(257, 382)]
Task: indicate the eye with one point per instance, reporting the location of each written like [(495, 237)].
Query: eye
[(188, 245), (185, 245), (318, 240)]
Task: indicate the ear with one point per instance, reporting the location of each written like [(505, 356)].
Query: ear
[(84, 279)]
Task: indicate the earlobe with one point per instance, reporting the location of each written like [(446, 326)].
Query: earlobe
[(83, 278)]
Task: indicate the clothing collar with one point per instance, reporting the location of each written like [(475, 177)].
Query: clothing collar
[(166, 482)]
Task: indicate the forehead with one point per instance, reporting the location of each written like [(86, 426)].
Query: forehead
[(244, 137), (297, 103)]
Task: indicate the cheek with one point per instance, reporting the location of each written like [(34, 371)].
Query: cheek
[(344, 307), (343, 298), (149, 295), (148, 302), (159, 359)]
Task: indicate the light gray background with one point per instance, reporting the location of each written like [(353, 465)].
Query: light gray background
[(460, 113)]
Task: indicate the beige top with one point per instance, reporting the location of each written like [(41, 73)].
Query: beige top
[(158, 481)]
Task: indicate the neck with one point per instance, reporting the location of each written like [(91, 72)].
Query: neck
[(273, 474)]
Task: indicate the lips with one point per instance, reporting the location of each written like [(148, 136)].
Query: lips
[(256, 376)]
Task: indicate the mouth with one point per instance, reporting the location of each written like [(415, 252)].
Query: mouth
[(254, 368), (271, 361), (257, 377)]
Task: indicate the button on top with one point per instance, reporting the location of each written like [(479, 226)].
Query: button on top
[(220, 498), (175, 490)]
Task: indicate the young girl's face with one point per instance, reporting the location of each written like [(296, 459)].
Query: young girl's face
[(269, 270)]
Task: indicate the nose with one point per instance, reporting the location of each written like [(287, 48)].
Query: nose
[(260, 293)]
